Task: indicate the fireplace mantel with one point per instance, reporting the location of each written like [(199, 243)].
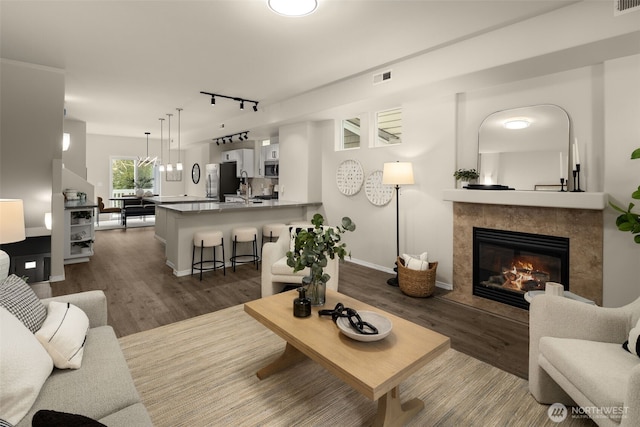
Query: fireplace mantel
[(568, 200)]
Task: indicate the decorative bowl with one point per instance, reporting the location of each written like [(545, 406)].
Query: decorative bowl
[(379, 321)]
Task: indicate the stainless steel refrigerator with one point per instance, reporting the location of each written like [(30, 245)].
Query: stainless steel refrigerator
[(221, 180)]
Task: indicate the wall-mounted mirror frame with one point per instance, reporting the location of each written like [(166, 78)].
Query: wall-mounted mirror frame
[(525, 148)]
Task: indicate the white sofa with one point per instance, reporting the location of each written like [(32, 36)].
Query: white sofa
[(102, 388), (276, 273), (576, 358)]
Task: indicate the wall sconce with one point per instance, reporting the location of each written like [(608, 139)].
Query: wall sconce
[(66, 141), (233, 98)]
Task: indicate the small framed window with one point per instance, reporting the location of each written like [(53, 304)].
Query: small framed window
[(350, 133), (388, 128)]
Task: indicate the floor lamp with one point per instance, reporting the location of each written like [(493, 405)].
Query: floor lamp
[(11, 229), (397, 174)]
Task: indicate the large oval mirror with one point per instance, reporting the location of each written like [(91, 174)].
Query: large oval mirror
[(525, 148)]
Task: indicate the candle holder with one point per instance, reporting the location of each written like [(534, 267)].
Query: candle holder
[(562, 190), (576, 180)]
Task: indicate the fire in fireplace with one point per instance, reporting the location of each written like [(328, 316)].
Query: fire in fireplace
[(507, 264)]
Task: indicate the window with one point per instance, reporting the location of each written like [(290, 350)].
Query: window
[(127, 176), (388, 127), (350, 133)]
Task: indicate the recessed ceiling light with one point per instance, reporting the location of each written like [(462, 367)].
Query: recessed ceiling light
[(293, 7), (517, 124)]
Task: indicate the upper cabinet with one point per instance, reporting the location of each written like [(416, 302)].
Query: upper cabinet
[(243, 159), (271, 152)]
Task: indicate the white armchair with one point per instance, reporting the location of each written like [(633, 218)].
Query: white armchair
[(576, 358), (276, 273)]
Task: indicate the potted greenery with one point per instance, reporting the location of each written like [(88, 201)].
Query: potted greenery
[(629, 221), (466, 176), (313, 248)]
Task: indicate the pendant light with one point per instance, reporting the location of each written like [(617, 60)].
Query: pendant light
[(169, 165), (161, 168), (179, 165), (147, 160)]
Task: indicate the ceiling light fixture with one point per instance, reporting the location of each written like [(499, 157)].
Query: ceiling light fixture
[(233, 98), (179, 165), (147, 160), (293, 7), (161, 168), (516, 124), (169, 165)]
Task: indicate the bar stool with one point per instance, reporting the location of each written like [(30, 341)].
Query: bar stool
[(272, 231), (207, 239), (244, 235)]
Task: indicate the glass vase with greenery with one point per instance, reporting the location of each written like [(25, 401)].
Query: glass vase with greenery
[(629, 221), (466, 175), (313, 248)]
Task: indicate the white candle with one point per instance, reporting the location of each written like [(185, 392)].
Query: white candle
[(561, 168), (577, 151), (573, 157)]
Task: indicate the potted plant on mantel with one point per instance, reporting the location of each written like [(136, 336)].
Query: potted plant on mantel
[(313, 248), (466, 176), (629, 221)]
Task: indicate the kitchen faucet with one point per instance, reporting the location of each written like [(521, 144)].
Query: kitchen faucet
[(245, 176)]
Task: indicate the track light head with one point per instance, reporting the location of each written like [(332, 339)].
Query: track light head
[(255, 107), (213, 100), (242, 104)]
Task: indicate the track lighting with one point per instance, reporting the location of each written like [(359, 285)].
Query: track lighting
[(233, 98), (242, 136)]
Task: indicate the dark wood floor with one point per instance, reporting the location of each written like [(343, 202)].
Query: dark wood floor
[(142, 293)]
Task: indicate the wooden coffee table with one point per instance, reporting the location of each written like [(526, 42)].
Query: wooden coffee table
[(375, 369)]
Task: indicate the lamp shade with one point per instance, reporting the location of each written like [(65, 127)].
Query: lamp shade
[(397, 173), (11, 221)]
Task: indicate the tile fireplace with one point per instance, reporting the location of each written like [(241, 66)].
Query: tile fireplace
[(507, 264), (574, 219)]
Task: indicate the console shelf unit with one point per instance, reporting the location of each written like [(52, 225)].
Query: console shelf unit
[(79, 234)]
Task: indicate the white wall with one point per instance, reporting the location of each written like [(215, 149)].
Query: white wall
[(621, 177), (32, 105), (75, 158), (200, 155)]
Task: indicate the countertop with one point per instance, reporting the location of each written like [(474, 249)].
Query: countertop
[(176, 199), (77, 204), (224, 207)]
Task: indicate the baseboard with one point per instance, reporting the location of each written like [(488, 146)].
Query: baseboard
[(441, 285), (56, 278)]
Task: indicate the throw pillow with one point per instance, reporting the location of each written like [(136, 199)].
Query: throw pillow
[(20, 300), (63, 334), (46, 418), (24, 367), (416, 262), (632, 344)]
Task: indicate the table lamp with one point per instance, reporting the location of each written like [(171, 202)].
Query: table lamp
[(397, 174), (11, 229)]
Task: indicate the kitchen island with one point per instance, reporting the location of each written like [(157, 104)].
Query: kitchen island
[(176, 223)]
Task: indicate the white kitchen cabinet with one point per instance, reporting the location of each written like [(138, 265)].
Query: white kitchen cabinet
[(243, 159), (79, 234)]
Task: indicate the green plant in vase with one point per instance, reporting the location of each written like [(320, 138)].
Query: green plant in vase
[(629, 221), (313, 248), (468, 175)]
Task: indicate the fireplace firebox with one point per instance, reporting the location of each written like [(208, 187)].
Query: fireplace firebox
[(507, 264)]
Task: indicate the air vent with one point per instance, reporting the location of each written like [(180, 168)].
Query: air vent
[(381, 77), (625, 6)]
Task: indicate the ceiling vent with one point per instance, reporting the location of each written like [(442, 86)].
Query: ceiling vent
[(621, 7), (385, 76)]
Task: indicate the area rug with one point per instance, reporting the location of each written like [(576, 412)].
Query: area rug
[(202, 372)]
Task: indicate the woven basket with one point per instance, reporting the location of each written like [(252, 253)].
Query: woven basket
[(417, 283)]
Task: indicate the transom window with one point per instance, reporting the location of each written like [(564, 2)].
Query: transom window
[(388, 127)]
